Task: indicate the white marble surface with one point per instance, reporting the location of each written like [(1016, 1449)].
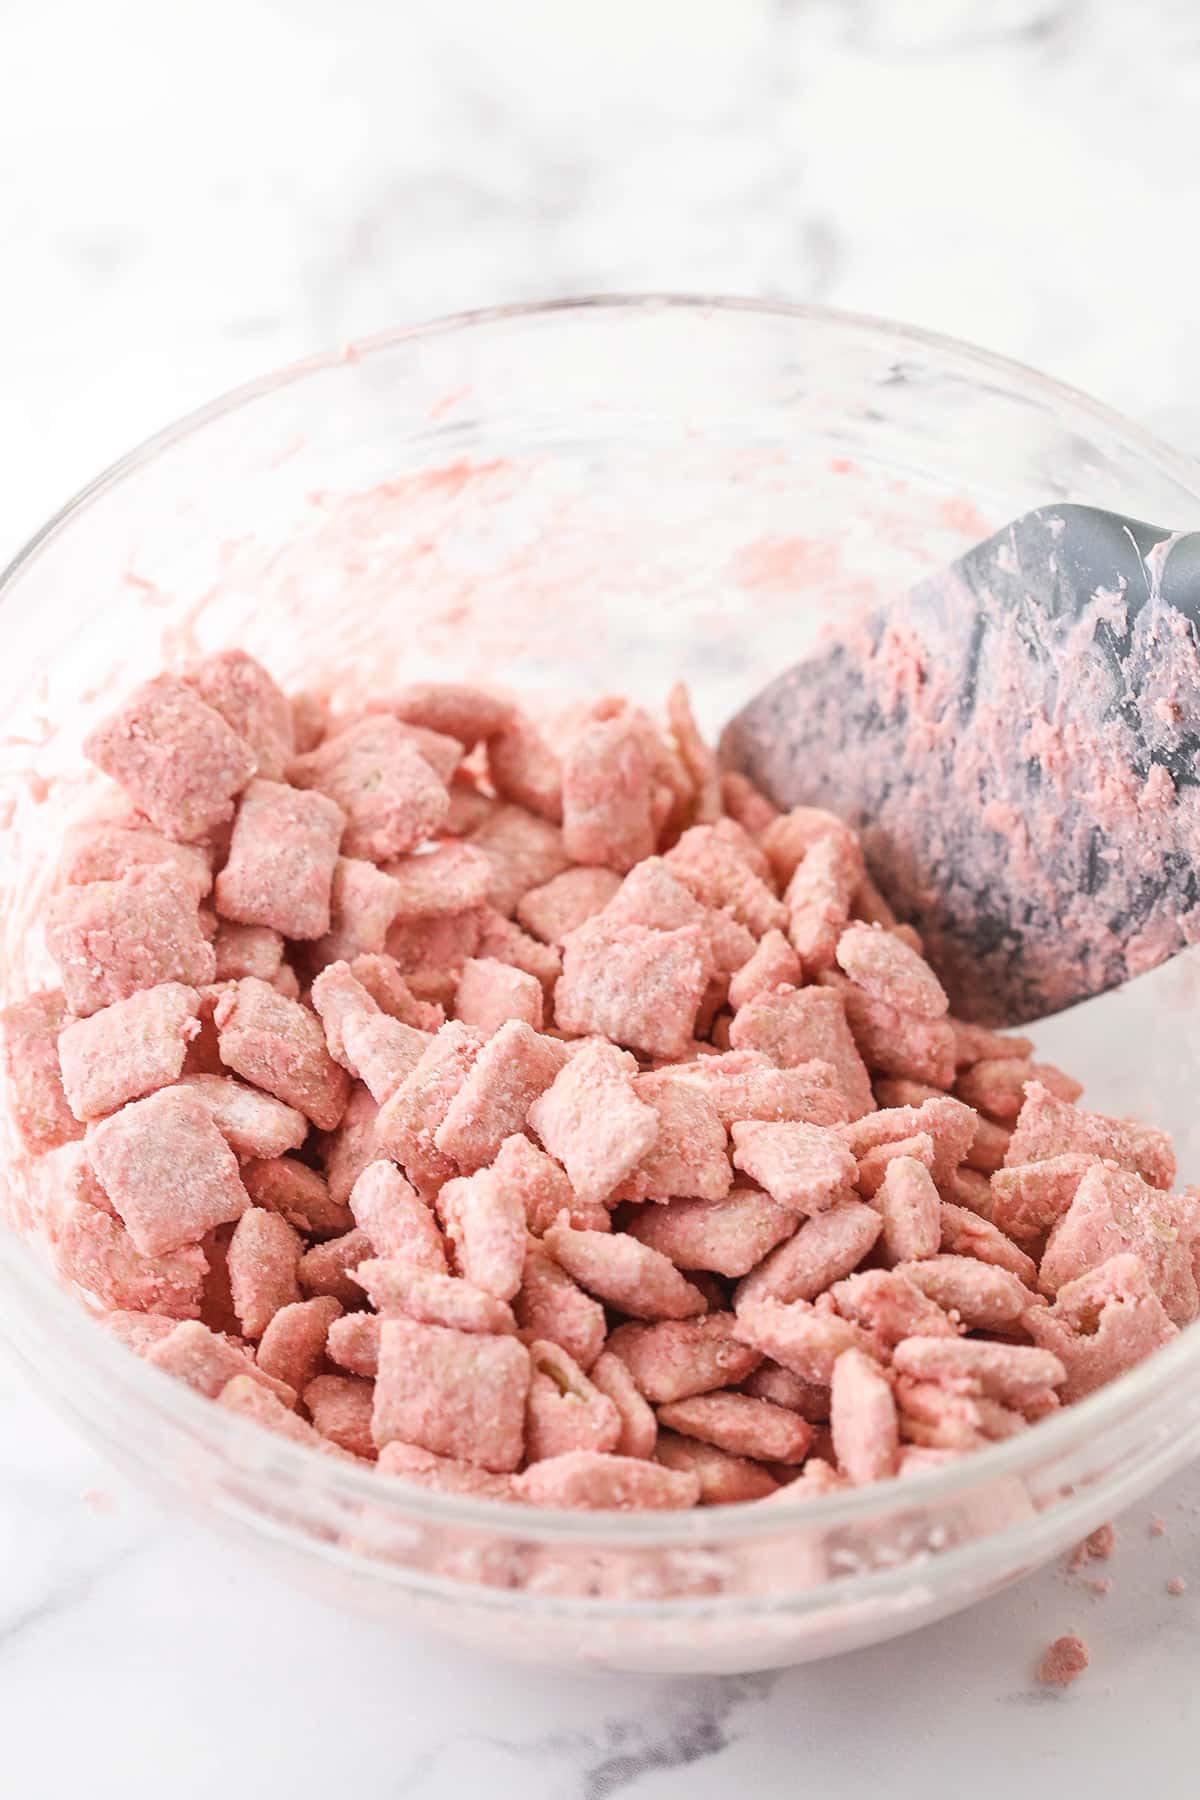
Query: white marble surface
[(192, 194)]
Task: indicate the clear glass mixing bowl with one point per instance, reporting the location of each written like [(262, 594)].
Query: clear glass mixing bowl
[(601, 495)]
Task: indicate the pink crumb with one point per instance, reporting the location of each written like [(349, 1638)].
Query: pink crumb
[(1177, 1585), (1064, 1661)]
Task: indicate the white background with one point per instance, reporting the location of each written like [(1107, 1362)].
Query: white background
[(190, 195)]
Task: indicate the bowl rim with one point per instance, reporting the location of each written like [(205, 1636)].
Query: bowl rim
[(731, 1523)]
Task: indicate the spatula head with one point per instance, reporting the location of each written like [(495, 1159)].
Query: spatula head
[(1018, 741)]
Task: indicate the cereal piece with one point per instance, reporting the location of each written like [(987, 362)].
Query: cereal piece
[(544, 1189), (245, 1395), (653, 897), (112, 938), (805, 1339), (564, 1411), (264, 1254), (966, 1234), (310, 719), (447, 879), (174, 756), (697, 758), (206, 1361), (353, 1343), (523, 768), (742, 1084), (790, 836), (591, 1481), (988, 1148), (562, 905), (638, 1425), (429, 953), (818, 898), (1064, 1661), (1101, 1324), (412, 1115), (997, 1087), (500, 938), (745, 803), (510, 1073), (279, 872), (805, 1167), (292, 1346), (797, 1025), (380, 976), (724, 1479), (136, 1330), (951, 1418), (395, 1218), (728, 1236), (298, 1193), (167, 1170), (340, 1407), (551, 1305), (278, 1045), (866, 1432), (376, 1048), (453, 708), (443, 1474), (1114, 1211), (397, 1290), (637, 986), (968, 1188), (607, 794), (825, 1248), (741, 1425), (469, 805), (889, 1306), (948, 1122), (127, 1049), (1050, 1127), (456, 1393), (247, 950), (624, 1274), (252, 1123), (889, 970), (250, 703), (1013, 1374), (678, 1358), (524, 851), (908, 1204), (102, 850), (363, 903), (770, 1381), (94, 1250), (773, 964), (485, 1221), (719, 876), (896, 1043), (985, 1297), (346, 1152), (689, 1158), (592, 1121), (874, 1164), (328, 1268), (390, 795), (490, 992)]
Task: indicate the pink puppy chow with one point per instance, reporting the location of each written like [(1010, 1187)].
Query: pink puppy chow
[(798, 1025), (948, 1123), (592, 1121), (1114, 1212), (549, 1304), (453, 708), (828, 1246), (281, 860), (443, 1474), (965, 1234), (639, 987), (889, 970), (277, 1044), (329, 1268), (250, 703), (206, 1361), (818, 899), (95, 1251), (805, 1167), (908, 1204), (866, 1432), (1051, 1127), (363, 902), (626, 1275), (677, 1358), (127, 1049), (728, 1236), (264, 1256), (396, 1219), (1014, 1374), (103, 850), (167, 1170), (500, 938), (245, 1395), (37, 1104), (292, 1346), (1028, 1200), (367, 1042), (449, 878), (523, 767), (353, 1343), (724, 1479), (741, 1425), (284, 1185), (568, 901), (722, 874), (889, 1306), (524, 851), (743, 1084), (380, 976), (489, 992), (997, 1087), (690, 1157), (511, 1072), (543, 1187), (398, 1290), (247, 950), (873, 1165), (608, 794), (804, 1338), (592, 1481), (982, 1296), (112, 938), (1101, 1324), (373, 771), (410, 1117), (485, 1221), (774, 964), (455, 1393), (638, 1425), (1064, 1661), (174, 756), (252, 1123), (340, 1407), (895, 1043), (564, 1410)]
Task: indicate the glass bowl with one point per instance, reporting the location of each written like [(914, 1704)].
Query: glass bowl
[(598, 495)]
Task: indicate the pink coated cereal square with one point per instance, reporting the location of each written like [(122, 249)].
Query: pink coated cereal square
[(608, 794), (329, 1268), (1102, 1323), (340, 1407), (909, 1207), (889, 970), (410, 1118), (983, 1296), (247, 950), (873, 1165), (454, 708), (277, 1044), (866, 1430), (1029, 1199), (623, 1273), (29, 1030), (1013, 1374), (501, 938), (291, 1348), (380, 975), (127, 1049), (544, 1188), (741, 1425), (449, 878), (724, 1479), (789, 837), (1114, 1212), (469, 805), (997, 1087), (592, 1481), (805, 1338), (360, 1037), (827, 1246), (112, 938), (456, 1393), (206, 1361), (743, 1084), (1048, 1127), (964, 1233), (774, 964), (443, 1474), (484, 1219), (353, 1343), (746, 803), (391, 797), (397, 1290), (888, 1306), (592, 1121), (167, 1170), (279, 871), (674, 1359), (698, 758), (94, 1250), (346, 1152), (721, 877), (429, 953), (490, 992), (174, 756), (553, 911), (806, 1167), (896, 1043), (818, 899), (524, 768), (395, 1218), (524, 851), (103, 850), (690, 1157), (799, 1025), (264, 1255), (287, 1186), (136, 1330), (363, 903), (638, 1426), (549, 1304), (252, 1123), (248, 1398), (251, 704), (728, 1236), (511, 1072), (639, 987), (564, 1411)]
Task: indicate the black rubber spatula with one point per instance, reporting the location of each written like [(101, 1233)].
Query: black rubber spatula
[(1018, 740)]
